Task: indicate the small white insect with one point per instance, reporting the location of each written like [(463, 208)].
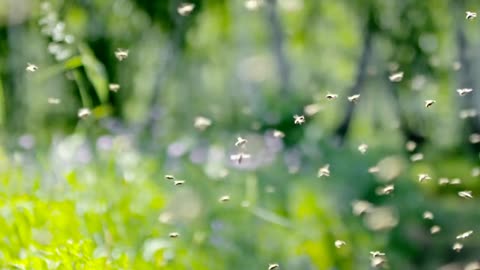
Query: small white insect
[(410, 146), (53, 101), (239, 157), (84, 112), (224, 198), (457, 247), (363, 148), (361, 207), (324, 171), (416, 157), (435, 229), (387, 189), (114, 87), (331, 96), (312, 109), (374, 169), (201, 123), (241, 142), (252, 4), (273, 266), (462, 92), (377, 262), (278, 134), (396, 77), (298, 119), (169, 177), (455, 181), (428, 215), (469, 113), (429, 103), (476, 171), (31, 67), (464, 235), (474, 138), (174, 235), (339, 243), (443, 181), (121, 54), (470, 15), (354, 98), (185, 9), (466, 194), (377, 253), (178, 182), (423, 177)]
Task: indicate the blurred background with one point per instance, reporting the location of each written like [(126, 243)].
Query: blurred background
[(167, 87)]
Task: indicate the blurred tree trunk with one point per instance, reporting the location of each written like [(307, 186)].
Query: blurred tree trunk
[(342, 130), (278, 44), (14, 107), (408, 133)]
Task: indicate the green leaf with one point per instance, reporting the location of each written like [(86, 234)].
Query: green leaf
[(95, 72)]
